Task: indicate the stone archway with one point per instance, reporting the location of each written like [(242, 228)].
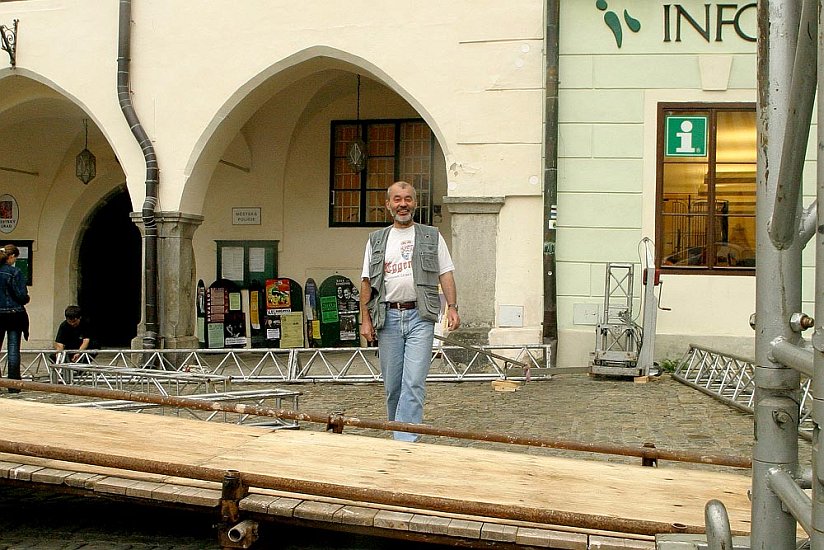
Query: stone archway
[(109, 261)]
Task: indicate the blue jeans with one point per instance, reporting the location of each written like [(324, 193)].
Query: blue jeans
[(13, 349), (405, 347)]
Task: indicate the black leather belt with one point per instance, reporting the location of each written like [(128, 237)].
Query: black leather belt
[(401, 305)]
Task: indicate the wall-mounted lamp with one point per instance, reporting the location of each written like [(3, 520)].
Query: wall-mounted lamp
[(85, 163), (356, 155), (8, 41)]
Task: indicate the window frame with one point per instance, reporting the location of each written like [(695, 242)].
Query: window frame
[(423, 212), (712, 109)]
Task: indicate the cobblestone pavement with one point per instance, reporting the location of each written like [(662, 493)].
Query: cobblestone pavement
[(577, 407)]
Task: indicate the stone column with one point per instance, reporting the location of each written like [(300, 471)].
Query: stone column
[(474, 251), (176, 280)]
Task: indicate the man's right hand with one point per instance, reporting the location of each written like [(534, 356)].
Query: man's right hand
[(367, 330)]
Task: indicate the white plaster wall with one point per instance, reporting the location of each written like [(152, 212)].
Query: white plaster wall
[(203, 77)]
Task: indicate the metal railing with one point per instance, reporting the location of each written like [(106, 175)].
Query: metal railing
[(449, 363)]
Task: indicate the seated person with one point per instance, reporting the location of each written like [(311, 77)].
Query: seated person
[(73, 335)]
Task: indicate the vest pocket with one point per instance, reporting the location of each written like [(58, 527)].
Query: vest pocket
[(432, 301), (429, 261)]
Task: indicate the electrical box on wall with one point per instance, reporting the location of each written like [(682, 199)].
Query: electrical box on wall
[(586, 314), (511, 316)]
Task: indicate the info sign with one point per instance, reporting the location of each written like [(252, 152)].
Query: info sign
[(686, 136)]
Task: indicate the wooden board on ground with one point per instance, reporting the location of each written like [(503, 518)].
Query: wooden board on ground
[(483, 477), (505, 385)]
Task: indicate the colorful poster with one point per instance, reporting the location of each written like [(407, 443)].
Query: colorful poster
[(339, 308), (284, 305), (254, 312), (278, 296), (328, 309)]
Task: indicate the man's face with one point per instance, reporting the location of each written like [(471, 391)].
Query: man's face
[(401, 203), (73, 322)]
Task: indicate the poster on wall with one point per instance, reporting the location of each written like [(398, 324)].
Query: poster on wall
[(257, 315), (339, 307), (225, 320), (283, 319), (312, 312), (200, 313)]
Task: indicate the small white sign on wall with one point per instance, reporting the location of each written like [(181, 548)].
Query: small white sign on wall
[(249, 215)]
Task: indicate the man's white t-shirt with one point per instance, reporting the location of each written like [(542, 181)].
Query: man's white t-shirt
[(397, 266)]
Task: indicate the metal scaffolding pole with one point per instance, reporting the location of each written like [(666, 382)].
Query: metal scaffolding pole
[(817, 535), (778, 282)]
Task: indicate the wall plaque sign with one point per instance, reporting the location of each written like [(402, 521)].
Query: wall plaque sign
[(246, 215), (8, 213)]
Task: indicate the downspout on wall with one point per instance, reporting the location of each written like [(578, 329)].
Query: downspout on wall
[(150, 337), (550, 330)]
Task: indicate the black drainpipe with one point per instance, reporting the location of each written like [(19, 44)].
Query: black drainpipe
[(150, 338), (550, 335)]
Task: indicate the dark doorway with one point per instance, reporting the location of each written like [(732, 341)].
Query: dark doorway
[(110, 273)]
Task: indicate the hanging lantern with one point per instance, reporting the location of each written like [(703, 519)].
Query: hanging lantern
[(85, 163), (356, 154)]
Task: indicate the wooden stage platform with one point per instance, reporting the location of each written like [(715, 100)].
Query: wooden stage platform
[(380, 486)]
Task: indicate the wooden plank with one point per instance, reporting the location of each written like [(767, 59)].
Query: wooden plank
[(386, 519), (356, 515), (665, 494), (317, 511), (499, 533)]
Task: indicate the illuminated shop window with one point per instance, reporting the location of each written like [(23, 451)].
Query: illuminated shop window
[(705, 219), (395, 150)]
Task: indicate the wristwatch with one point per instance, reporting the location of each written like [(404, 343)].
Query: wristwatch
[(453, 306)]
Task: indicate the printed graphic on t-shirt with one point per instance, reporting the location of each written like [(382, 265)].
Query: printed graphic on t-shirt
[(396, 268)]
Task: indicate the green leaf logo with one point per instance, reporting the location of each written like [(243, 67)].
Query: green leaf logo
[(613, 22)]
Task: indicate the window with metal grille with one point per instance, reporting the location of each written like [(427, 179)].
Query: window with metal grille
[(396, 150), (705, 219)]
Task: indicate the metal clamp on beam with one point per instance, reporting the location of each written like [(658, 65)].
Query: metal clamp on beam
[(792, 356), (232, 532), (793, 497)]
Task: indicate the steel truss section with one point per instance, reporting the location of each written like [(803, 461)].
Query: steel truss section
[(271, 398), (344, 365), (731, 380)]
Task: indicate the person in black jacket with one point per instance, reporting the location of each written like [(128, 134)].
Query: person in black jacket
[(13, 318), (73, 336)]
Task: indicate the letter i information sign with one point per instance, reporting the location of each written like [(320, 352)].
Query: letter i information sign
[(686, 136)]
